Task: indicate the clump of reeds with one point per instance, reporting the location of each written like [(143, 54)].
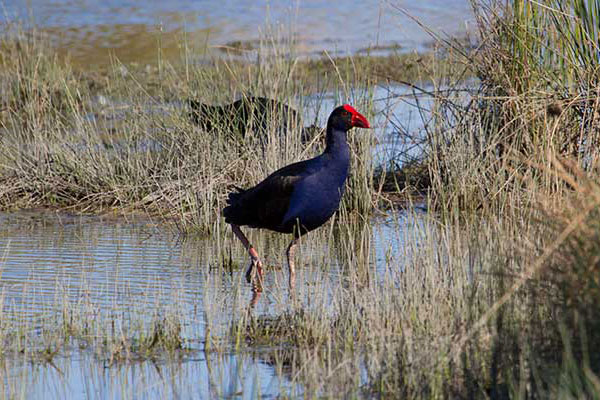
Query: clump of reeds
[(125, 141), (38, 91), (523, 150), (536, 97)]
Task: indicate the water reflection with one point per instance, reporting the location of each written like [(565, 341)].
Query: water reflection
[(110, 262), (203, 376)]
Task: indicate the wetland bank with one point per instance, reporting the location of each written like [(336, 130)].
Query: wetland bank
[(463, 261)]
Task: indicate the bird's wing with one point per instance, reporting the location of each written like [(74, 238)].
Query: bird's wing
[(266, 204), (276, 192)]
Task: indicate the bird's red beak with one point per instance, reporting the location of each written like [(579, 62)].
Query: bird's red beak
[(359, 121)]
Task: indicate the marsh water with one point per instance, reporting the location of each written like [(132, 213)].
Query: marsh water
[(91, 31), (120, 273), (111, 269)]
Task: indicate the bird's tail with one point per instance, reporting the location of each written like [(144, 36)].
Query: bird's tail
[(233, 196), (232, 211)]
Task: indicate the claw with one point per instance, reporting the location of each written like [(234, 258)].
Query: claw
[(255, 268), (255, 264)]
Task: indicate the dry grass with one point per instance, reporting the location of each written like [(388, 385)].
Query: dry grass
[(125, 141)]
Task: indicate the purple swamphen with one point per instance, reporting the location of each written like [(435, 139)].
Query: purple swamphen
[(299, 197)]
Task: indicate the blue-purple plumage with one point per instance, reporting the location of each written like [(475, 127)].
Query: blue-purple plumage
[(302, 195)]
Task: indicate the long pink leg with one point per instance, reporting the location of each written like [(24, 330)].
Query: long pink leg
[(291, 250), (255, 263)]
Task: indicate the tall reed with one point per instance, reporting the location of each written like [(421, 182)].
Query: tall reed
[(522, 150)]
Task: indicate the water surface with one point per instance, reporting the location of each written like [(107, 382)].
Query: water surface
[(91, 30), (115, 269)]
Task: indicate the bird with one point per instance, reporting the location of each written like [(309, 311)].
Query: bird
[(252, 114), (297, 198), (243, 115)]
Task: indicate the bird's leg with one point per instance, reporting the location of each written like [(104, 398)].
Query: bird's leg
[(255, 263), (291, 250)]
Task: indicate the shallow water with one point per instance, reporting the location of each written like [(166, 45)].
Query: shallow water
[(203, 376), (119, 270), (122, 271), (92, 30)]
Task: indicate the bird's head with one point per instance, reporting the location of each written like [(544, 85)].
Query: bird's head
[(346, 117)]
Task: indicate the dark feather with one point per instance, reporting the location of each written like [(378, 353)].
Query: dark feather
[(304, 194), (265, 205), (248, 113)]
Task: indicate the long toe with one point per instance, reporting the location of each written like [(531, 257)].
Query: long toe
[(254, 275), (250, 272)]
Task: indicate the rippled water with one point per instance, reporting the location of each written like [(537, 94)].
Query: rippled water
[(204, 376), (131, 29), (121, 267), (82, 256)]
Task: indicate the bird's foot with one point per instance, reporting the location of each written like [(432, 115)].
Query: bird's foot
[(254, 274)]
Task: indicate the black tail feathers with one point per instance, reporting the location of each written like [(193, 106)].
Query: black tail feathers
[(233, 213)]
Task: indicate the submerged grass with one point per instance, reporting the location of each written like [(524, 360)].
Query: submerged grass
[(112, 335)]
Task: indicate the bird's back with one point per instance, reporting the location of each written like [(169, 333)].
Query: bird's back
[(308, 191), (249, 113)]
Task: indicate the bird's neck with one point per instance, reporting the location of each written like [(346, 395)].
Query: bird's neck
[(337, 145)]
